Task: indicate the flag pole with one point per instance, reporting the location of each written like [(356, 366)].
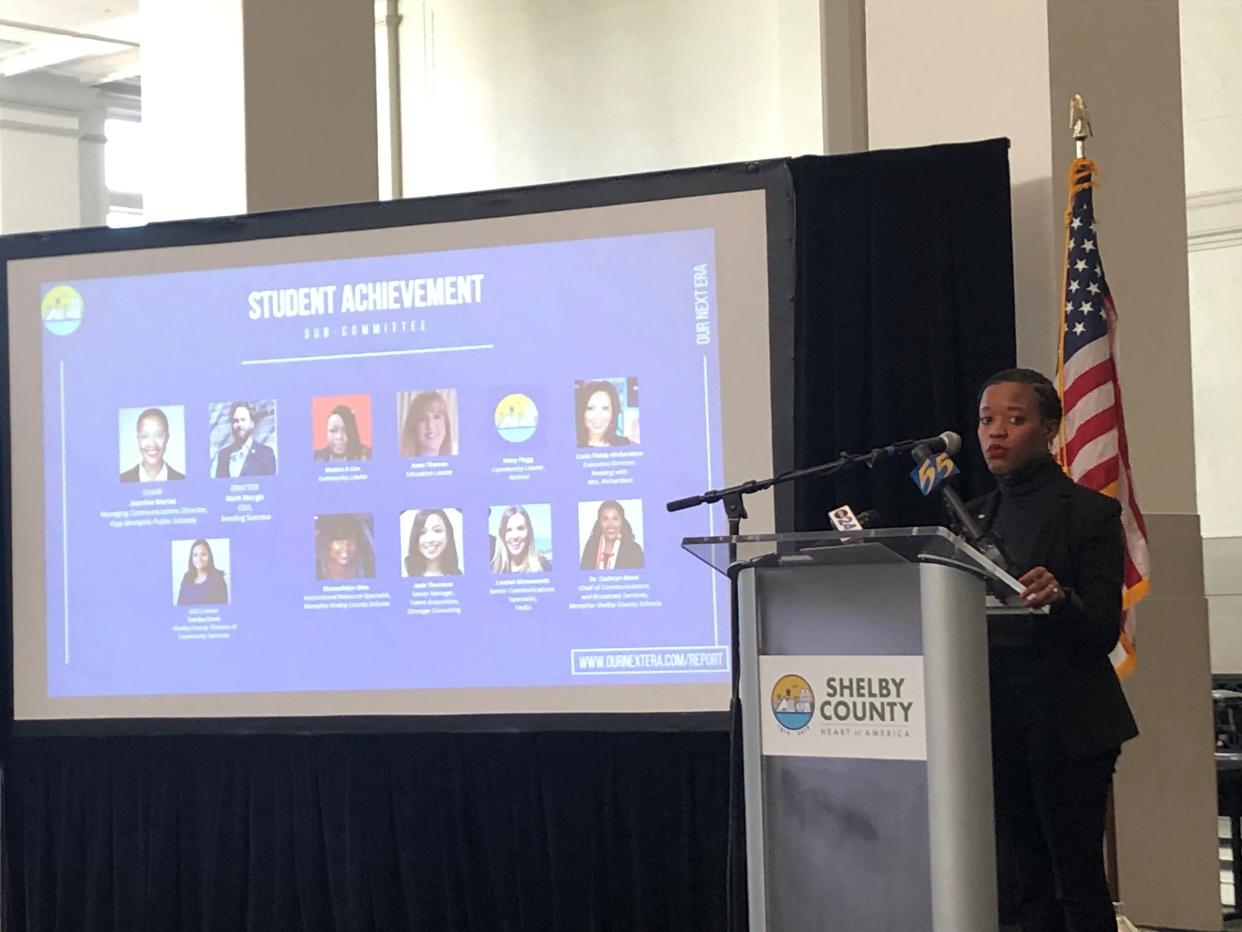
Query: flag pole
[(1080, 130)]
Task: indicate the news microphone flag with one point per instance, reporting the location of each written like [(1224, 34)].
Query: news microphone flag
[(1091, 446), (933, 470)]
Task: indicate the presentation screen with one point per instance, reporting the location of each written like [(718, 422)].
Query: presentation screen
[(413, 470)]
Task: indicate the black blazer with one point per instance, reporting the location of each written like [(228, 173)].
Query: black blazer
[(260, 461), (1082, 545), (131, 475)]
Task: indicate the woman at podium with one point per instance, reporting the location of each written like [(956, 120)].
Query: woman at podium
[(1059, 716)]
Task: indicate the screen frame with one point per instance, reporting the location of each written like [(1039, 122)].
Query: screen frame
[(773, 177)]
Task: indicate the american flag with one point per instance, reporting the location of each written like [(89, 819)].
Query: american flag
[(1092, 445)]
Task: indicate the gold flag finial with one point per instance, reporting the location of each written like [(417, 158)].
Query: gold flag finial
[(1080, 123)]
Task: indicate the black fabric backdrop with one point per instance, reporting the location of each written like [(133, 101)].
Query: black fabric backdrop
[(903, 303)]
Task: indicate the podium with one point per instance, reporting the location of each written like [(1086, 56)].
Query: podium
[(863, 681)]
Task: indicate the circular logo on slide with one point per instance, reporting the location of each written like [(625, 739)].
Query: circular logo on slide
[(793, 703), (62, 310), (516, 418)]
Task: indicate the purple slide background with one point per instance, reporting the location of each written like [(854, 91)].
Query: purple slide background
[(555, 312)]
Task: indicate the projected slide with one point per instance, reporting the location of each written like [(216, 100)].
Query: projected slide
[(426, 471)]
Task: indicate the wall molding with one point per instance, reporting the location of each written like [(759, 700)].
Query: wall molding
[(1214, 219)]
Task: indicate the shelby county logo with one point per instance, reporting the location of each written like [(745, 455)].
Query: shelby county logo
[(793, 703), (62, 310)]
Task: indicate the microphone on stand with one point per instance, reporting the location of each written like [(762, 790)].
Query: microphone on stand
[(934, 467), (947, 442)]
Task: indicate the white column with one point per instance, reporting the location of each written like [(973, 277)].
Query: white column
[(252, 105), (969, 69)]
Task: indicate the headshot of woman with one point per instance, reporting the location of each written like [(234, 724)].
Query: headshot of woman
[(202, 583), (343, 548), (599, 407), (432, 547), (513, 550), (343, 439), (611, 544), (428, 427), (153, 435), (1059, 716)]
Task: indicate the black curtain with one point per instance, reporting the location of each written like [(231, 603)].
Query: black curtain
[(903, 302), (489, 832)]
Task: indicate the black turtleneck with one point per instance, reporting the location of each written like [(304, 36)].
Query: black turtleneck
[(1027, 503), (1027, 496)]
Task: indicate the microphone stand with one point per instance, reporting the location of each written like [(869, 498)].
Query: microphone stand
[(735, 507)]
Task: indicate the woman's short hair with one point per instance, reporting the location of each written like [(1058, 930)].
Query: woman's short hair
[(152, 414), (1045, 392), (421, 402), (353, 443), (415, 562), (585, 391)]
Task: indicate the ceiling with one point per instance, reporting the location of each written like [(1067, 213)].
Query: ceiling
[(94, 41)]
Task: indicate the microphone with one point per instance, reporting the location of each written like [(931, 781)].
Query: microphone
[(844, 519), (931, 473), (948, 443), (871, 518)]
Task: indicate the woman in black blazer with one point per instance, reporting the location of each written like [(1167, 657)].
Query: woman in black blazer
[(1059, 716)]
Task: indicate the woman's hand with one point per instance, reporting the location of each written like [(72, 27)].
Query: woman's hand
[(1041, 588)]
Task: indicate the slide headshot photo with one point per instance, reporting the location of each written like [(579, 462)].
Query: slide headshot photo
[(427, 422), (611, 534), (607, 412), (155, 437), (341, 426), (200, 570), (431, 542), (242, 438), (344, 546), (521, 538)]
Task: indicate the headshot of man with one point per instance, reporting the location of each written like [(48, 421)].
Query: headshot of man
[(340, 430), (514, 548), (343, 547), (244, 455), (598, 406), (153, 436), (432, 546), (202, 583), (428, 429), (611, 544)]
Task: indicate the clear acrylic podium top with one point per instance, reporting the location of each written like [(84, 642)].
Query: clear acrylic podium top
[(885, 545)]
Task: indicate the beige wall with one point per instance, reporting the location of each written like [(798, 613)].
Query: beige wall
[(498, 93), (1132, 84), (962, 69), (310, 103)]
